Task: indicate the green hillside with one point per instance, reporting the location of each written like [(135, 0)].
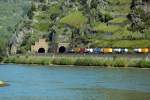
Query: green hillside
[(11, 13), (94, 23)]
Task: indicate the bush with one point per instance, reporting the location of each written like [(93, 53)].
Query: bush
[(89, 62), (133, 63), (39, 60), (63, 61), (108, 63), (28, 60), (1, 59), (145, 64), (120, 63), (10, 59)]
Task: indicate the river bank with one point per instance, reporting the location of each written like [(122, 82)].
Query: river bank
[(78, 61)]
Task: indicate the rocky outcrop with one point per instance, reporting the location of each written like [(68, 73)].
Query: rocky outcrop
[(140, 13)]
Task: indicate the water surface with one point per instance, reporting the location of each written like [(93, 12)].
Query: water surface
[(74, 83)]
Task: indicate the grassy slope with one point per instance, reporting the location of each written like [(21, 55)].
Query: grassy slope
[(75, 19), (119, 9)]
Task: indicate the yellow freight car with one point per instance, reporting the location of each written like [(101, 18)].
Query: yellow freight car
[(144, 50), (107, 50)]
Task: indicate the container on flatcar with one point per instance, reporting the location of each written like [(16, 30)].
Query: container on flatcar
[(141, 50), (86, 50), (97, 50), (117, 50), (77, 50), (107, 50), (71, 51), (144, 50), (82, 50), (137, 50), (124, 50), (90, 50)]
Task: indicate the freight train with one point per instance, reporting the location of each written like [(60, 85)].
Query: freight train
[(108, 50)]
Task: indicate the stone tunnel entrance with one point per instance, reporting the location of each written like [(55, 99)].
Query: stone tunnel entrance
[(62, 49), (41, 50)]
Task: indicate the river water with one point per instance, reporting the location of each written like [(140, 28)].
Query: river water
[(74, 83)]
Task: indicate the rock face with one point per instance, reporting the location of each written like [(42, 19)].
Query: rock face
[(140, 12), (143, 4), (146, 4)]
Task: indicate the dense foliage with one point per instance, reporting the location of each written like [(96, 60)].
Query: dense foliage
[(11, 13)]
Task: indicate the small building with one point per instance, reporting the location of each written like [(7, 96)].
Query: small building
[(41, 46)]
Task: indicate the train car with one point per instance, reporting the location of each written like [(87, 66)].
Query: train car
[(77, 50), (107, 50), (120, 50), (117, 50), (71, 51), (82, 50), (144, 50), (97, 51), (141, 50), (90, 50), (137, 50), (125, 50)]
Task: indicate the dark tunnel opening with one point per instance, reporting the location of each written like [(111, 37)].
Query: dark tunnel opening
[(62, 49), (41, 50)]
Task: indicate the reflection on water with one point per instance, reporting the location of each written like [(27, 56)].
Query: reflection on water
[(74, 83)]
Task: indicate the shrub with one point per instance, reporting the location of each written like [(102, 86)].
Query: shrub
[(63, 61), (1, 59), (133, 63), (145, 63), (108, 62), (10, 59), (89, 62), (39, 60), (120, 63)]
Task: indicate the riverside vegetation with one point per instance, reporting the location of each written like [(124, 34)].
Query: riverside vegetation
[(78, 61)]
